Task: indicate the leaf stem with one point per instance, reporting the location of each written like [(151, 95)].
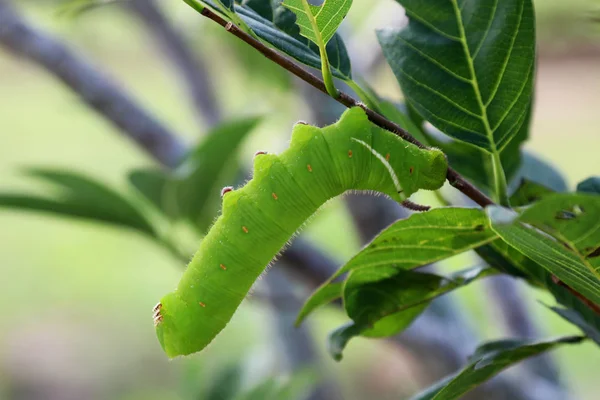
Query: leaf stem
[(325, 66), (454, 178), (327, 75), (500, 185)]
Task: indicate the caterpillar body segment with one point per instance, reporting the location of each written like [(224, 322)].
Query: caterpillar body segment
[(258, 219)]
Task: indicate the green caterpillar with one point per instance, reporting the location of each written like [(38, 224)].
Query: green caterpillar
[(258, 219)]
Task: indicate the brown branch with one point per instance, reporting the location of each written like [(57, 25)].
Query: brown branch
[(454, 178)]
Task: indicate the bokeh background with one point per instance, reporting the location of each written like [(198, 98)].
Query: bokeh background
[(76, 296)]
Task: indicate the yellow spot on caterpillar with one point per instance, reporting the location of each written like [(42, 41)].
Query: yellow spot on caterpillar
[(274, 196), (349, 153), (224, 268), (411, 170), (245, 229), (387, 157), (202, 304), (309, 167)]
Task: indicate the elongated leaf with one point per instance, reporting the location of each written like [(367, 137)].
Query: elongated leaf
[(419, 240), (500, 255), (227, 383), (573, 220), (371, 294), (383, 301), (339, 338), (82, 197), (227, 4), (467, 66), (529, 192), (424, 238), (559, 254), (590, 185), (295, 387), (284, 35), (319, 23), (153, 185), (331, 292), (74, 8), (192, 191), (576, 319), (505, 258), (264, 8), (489, 360)]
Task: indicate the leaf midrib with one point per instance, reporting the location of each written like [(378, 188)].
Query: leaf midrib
[(473, 80), (313, 21)]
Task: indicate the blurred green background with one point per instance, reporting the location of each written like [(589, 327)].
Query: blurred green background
[(77, 296)]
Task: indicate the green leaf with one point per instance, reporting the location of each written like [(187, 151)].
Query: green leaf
[(489, 360), (319, 23), (467, 66), (418, 240), (500, 255), (264, 8), (371, 294), (192, 191), (207, 169), (74, 8), (590, 185), (424, 238), (576, 319), (529, 192), (388, 326), (288, 40), (331, 292), (573, 220), (226, 384), (226, 4), (297, 386), (82, 197), (153, 185), (300, 385), (557, 236), (339, 338), (266, 390), (383, 301)]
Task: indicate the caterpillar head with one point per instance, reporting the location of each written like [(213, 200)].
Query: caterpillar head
[(432, 174)]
